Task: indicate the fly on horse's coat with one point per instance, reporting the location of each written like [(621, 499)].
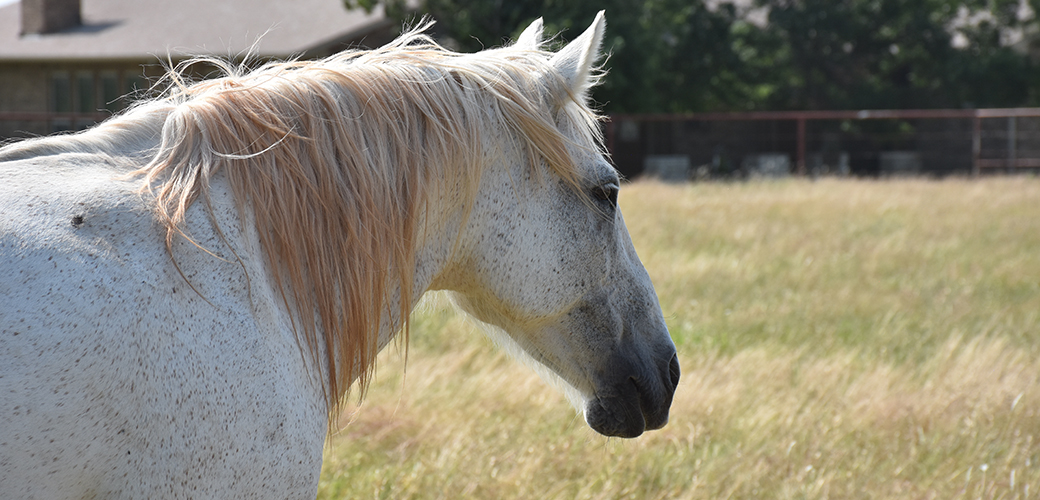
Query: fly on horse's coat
[(188, 290)]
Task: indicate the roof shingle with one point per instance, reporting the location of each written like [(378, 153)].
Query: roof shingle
[(146, 29)]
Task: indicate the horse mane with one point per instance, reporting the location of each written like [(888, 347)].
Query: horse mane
[(336, 159)]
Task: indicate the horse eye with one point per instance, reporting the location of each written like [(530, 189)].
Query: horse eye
[(607, 193)]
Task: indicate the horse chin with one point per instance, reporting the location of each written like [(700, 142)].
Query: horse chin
[(627, 414), (612, 419)]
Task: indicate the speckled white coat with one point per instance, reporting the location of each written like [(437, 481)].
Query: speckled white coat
[(118, 379)]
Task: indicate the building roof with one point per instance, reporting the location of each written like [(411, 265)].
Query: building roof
[(147, 29)]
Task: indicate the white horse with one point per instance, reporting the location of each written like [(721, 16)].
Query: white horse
[(188, 290)]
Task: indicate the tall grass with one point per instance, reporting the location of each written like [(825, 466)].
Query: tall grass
[(839, 339)]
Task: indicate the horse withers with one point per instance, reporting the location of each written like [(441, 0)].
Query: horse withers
[(188, 290)]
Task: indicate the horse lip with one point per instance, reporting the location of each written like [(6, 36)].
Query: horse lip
[(615, 420), (634, 405)]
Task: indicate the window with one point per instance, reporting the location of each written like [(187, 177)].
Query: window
[(111, 97), (61, 92), (78, 97), (134, 86), (85, 96)]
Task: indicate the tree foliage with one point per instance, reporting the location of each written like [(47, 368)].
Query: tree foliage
[(895, 54), (683, 55)]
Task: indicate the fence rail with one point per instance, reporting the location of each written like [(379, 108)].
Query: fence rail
[(947, 140), (924, 141)]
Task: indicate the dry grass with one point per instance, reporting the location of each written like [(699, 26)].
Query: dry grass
[(839, 339)]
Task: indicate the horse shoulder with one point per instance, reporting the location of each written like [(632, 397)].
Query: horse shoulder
[(118, 376)]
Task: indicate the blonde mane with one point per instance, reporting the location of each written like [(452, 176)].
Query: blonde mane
[(336, 160)]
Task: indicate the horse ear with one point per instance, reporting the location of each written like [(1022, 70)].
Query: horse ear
[(531, 38), (577, 60)]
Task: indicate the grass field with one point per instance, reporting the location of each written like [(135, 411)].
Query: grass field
[(839, 339)]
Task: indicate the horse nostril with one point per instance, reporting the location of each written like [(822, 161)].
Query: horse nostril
[(673, 370)]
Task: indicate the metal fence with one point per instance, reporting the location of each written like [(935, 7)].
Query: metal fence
[(862, 143), (772, 144)]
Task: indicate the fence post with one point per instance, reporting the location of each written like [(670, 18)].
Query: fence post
[(800, 160), (1012, 144), (976, 143)]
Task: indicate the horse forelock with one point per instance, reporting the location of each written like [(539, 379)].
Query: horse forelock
[(336, 160)]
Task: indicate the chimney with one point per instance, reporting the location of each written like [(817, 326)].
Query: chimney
[(40, 17)]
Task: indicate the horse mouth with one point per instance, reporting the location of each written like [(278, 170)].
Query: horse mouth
[(633, 407), (613, 418)]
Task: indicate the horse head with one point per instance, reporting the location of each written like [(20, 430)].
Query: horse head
[(548, 262)]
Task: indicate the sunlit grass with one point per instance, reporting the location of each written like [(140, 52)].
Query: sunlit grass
[(839, 339)]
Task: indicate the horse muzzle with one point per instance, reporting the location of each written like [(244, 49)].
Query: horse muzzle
[(633, 399)]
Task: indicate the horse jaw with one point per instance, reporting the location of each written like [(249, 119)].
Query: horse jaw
[(509, 345)]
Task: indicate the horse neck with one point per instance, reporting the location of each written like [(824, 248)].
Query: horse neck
[(437, 239), (442, 237)]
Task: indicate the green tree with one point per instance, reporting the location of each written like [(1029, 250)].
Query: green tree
[(664, 55), (893, 54), (682, 55)]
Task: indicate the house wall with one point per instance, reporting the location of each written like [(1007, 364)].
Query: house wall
[(42, 98), (23, 89)]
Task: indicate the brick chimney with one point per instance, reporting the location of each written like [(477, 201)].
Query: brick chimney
[(40, 17)]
